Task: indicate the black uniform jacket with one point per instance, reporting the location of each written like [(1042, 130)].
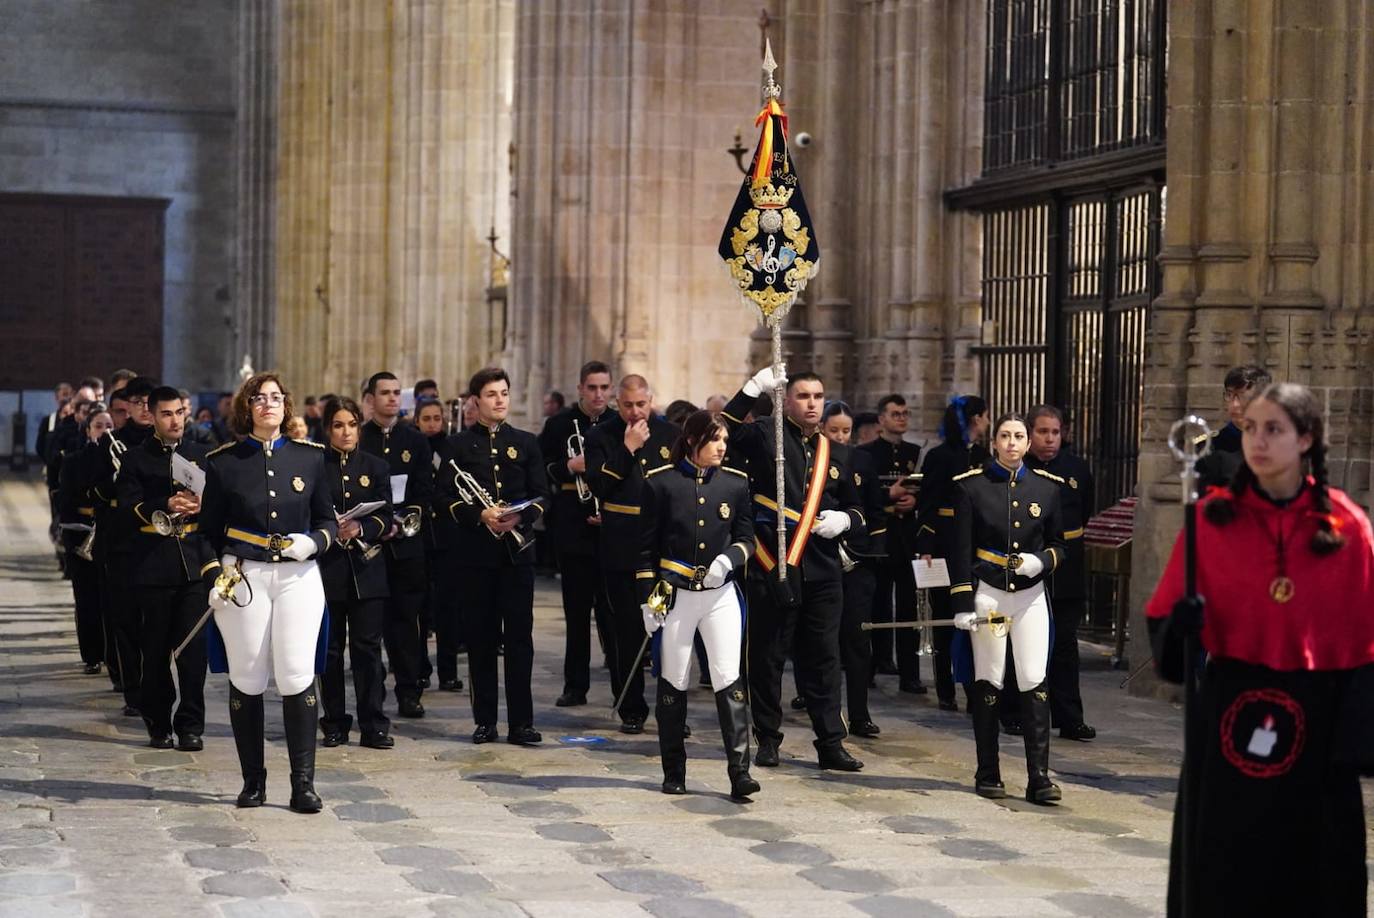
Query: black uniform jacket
[(433, 532), (1219, 466), (891, 462), (144, 486), (406, 452), (1076, 502), (868, 543), (349, 571), (999, 516), (256, 492), (935, 502), (820, 561), (114, 535), (691, 515), (507, 463), (617, 480), (568, 526), (74, 501)]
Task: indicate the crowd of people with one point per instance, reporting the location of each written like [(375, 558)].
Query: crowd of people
[(354, 528)]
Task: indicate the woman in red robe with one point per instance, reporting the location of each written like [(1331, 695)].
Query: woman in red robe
[(1285, 567)]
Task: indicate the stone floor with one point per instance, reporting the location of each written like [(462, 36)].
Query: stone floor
[(94, 822)]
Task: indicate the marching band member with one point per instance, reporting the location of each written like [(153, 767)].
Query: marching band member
[(76, 508), (1286, 564), (407, 454), (620, 453), (1008, 536), (574, 528), (820, 494), (355, 584), (168, 557), (962, 430), (266, 509), (485, 469), (697, 537), (443, 615)]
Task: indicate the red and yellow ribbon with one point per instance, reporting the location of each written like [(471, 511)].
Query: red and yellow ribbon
[(763, 161)]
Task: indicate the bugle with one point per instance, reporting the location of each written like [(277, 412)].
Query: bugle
[(471, 492)]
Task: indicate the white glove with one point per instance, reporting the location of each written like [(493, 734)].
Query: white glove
[(651, 620), (1031, 566), (301, 547), (720, 569), (830, 524), (764, 381), (964, 621)]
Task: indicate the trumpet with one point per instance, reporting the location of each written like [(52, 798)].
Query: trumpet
[(473, 494), (117, 450), (369, 551), (169, 524), (847, 562), (87, 546), (927, 647), (409, 523), (577, 445)]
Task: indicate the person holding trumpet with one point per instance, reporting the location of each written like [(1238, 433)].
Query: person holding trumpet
[(1007, 539), (491, 484), (355, 581)]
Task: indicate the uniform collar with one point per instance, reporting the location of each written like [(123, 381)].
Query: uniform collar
[(481, 427), (339, 455), (386, 430), (688, 467), (259, 443), (999, 472), (163, 445), (801, 433)]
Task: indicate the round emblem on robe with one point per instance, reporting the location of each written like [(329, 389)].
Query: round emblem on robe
[(724, 511), (1034, 510), (364, 480), (405, 456), (1263, 733), (511, 453), (298, 483)]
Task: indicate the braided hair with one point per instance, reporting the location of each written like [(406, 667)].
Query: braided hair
[(1305, 412)]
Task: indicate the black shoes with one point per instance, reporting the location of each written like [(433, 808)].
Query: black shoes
[(949, 704), (670, 710), (190, 742), (675, 786), (1081, 732), (303, 796), (799, 703), (885, 668), (632, 725), (130, 711), (334, 738), (450, 685), (300, 715), (410, 707), (993, 790), (837, 758), (1012, 727), (1035, 713), (245, 715), (161, 741), (982, 706), (767, 756), (254, 792), (485, 733), (524, 736), (864, 728), (732, 707), (377, 740), (913, 687), (92, 669), (571, 700)]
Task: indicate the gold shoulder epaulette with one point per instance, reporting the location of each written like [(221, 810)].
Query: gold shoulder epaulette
[(1050, 475), (304, 442), (733, 471), (969, 474), (655, 471), (221, 448)]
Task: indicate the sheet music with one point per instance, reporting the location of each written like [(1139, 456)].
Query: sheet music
[(934, 575), (362, 509), (398, 489), (188, 474), (515, 509)]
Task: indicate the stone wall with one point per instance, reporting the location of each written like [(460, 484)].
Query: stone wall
[(135, 99)]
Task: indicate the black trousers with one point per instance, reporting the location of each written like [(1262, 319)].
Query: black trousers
[(406, 649), (582, 593), (815, 622), (623, 598), (894, 600), (356, 623), (85, 578), (856, 650), (448, 617), (500, 602), (943, 663), (123, 624), (169, 614), (1066, 702)]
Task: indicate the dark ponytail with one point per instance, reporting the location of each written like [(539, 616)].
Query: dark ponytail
[(700, 427)]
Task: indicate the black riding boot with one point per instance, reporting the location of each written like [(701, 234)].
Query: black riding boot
[(982, 706), (1035, 716), (732, 704), (245, 716), (671, 712), (301, 715)]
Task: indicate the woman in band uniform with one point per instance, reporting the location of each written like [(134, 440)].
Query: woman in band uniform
[(76, 509), (1008, 538), (1286, 564), (267, 511), (697, 534), (355, 584)]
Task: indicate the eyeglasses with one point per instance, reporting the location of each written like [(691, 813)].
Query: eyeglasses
[(138, 402), (1234, 395), (263, 399)]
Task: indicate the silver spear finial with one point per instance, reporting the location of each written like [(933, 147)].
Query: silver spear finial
[(771, 90)]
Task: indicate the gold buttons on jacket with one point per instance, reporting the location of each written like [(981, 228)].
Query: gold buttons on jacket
[(701, 545), (701, 522), (348, 494), (701, 500), (1016, 503), (270, 473), (1016, 524), (274, 514)]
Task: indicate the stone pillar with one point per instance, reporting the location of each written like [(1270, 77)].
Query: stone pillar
[(1265, 257), (393, 126), (255, 142)]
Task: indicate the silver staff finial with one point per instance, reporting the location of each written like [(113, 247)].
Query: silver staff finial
[(771, 90)]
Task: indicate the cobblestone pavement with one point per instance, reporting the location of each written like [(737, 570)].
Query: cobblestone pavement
[(94, 822)]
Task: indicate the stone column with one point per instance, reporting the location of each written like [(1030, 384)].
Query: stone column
[(255, 142)]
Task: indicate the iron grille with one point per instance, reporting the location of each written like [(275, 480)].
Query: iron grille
[(1016, 284)]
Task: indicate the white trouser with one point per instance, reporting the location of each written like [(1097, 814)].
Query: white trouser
[(716, 615), (276, 632), (1030, 636)]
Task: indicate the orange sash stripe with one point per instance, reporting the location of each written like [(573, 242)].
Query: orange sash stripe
[(763, 556), (763, 162), (814, 488)]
